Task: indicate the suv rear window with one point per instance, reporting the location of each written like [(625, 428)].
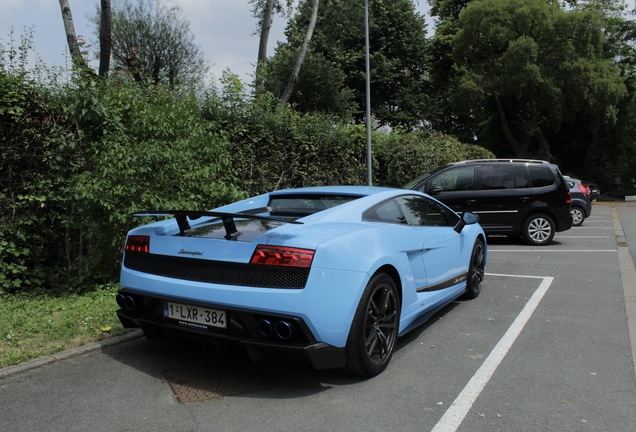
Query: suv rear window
[(540, 176)]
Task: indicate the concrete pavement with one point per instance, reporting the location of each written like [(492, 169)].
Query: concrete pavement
[(624, 215)]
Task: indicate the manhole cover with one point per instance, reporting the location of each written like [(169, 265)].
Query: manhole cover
[(206, 382)]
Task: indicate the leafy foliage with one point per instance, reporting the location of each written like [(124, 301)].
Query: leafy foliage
[(333, 78), (419, 152), (147, 150), (154, 43), (275, 147), (80, 161), (76, 164), (537, 79), (32, 183)]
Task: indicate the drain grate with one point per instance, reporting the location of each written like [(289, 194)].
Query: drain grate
[(208, 382)]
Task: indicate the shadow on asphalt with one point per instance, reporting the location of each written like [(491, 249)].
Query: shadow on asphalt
[(200, 372)]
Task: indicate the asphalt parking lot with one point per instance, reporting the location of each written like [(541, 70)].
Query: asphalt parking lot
[(548, 346)]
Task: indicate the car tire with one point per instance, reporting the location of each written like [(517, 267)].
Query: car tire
[(538, 229), (374, 329), (476, 270), (578, 216)]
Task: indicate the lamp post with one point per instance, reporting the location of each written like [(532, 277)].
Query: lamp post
[(368, 92)]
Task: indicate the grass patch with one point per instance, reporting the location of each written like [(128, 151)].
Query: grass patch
[(33, 325)]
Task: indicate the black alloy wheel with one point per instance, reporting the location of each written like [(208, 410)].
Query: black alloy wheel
[(374, 329), (476, 270)]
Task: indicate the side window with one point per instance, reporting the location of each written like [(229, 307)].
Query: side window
[(541, 176), (499, 176), (521, 177), (388, 211), (455, 179), (421, 211)]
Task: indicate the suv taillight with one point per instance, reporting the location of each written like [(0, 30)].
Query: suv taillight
[(568, 200), (282, 256), (138, 243)]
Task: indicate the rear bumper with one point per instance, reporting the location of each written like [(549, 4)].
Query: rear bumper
[(243, 327)]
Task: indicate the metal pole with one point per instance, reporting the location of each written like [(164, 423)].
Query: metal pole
[(368, 91)]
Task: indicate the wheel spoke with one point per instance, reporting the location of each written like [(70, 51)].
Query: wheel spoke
[(381, 324)]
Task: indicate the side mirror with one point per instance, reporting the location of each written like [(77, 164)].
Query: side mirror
[(435, 190), (467, 218)]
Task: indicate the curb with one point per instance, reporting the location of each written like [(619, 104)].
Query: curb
[(53, 358), (628, 276)]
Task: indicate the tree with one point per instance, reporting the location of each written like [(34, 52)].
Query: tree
[(612, 144), (301, 55), (71, 36), (264, 11), (333, 78), (154, 42), (74, 44), (523, 71)]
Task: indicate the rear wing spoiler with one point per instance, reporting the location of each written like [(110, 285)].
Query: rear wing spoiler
[(227, 218)]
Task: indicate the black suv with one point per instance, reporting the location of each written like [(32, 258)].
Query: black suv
[(526, 198)]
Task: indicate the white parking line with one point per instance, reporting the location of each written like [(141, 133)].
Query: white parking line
[(584, 237), (594, 228), (455, 414), (540, 251)]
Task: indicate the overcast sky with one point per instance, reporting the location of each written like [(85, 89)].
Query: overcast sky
[(223, 29)]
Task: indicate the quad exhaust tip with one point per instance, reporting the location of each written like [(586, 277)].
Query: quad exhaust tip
[(281, 329), (126, 302)]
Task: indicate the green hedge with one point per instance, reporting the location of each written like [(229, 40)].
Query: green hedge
[(77, 160), (410, 155)]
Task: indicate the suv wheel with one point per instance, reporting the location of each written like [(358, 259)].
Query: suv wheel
[(538, 229)]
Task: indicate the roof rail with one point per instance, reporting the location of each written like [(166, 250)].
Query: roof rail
[(534, 161)]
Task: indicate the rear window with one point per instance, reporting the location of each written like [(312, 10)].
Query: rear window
[(304, 205), (541, 176)]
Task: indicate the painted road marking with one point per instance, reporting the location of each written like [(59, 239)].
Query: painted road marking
[(455, 414), (540, 251)]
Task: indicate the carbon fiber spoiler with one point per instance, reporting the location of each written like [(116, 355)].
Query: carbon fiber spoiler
[(227, 218)]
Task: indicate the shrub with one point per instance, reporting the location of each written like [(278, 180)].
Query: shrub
[(419, 152)]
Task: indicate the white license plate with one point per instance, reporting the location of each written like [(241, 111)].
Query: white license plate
[(195, 315)]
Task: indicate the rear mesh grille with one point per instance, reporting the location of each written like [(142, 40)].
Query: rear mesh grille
[(218, 272)]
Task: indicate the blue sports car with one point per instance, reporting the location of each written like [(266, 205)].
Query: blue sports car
[(335, 273)]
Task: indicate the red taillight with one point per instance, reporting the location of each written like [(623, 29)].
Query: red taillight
[(584, 189), (568, 200), (282, 256), (138, 243)]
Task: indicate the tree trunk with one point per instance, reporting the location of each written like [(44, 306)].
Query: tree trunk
[(268, 14), (105, 38), (520, 148), (267, 25), (71, 36), (301, 55)]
